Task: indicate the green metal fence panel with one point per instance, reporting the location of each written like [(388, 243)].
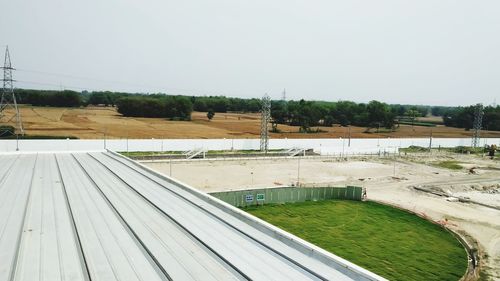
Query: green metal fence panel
[(288, 194), (354, 192), (348, 192), (340, 193), (358, 193), (314, 194)]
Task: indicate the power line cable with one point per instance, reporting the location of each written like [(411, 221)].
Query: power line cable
[(121, 83), (56, 85)]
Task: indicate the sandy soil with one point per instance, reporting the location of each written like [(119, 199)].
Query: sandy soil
[(92, 122), (387, 180), (215, 175)]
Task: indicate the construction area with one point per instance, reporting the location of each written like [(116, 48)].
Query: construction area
[(101, 216), (89, 213), (332, 141), (458, 191)]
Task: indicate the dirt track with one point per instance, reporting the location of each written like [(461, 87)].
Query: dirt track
[(386, 181)]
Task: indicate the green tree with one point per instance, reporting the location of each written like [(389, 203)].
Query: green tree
[(412, 114), (379, 114), (210, 115)]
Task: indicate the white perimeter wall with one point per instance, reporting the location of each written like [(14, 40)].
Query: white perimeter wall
[(323, 146)]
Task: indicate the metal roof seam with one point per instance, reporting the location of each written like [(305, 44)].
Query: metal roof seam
[(73, 224), (125, 224), (235, 228), (21, 230), (178, 223), (116, 255), (7, 173)]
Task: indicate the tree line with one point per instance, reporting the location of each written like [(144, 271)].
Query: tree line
[(307, 114), (53, 98), (301, 113), (67, 98), (463, 117), (136, 105), (225, 104)]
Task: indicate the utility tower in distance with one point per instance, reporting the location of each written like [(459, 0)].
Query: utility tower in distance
[(264, 123), (478, 123), (8, 99)]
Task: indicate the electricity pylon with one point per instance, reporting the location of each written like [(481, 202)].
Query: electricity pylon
[(8, 98), (478, 123), (264, 123)]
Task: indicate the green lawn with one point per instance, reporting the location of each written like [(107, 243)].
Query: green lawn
[(392, 243)]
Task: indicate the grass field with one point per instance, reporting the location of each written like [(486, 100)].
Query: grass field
[(452, 165), (94, 122), (390, 242)]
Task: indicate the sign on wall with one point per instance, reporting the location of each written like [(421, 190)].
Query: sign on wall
[(249, 198)]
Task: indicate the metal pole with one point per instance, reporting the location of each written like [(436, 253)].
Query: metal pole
[(394, 171), (343, 145), (105, 129), (152, 148), (430, 142), (126, 133), (349, 143), (17, 142), (170, 165), (298, 173)]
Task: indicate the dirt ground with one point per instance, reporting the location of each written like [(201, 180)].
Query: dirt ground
[(94, 122), (386, 180)]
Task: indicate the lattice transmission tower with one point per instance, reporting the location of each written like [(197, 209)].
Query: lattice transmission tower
[(478, 123), (264, 123), (8, 98)]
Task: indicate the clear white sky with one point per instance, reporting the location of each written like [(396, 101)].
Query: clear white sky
[(416, 52)]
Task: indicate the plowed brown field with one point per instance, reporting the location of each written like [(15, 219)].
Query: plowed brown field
[(93, 122)]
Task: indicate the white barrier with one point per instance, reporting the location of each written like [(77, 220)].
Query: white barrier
[(322, 146)]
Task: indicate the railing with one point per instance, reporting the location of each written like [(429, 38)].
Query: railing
[(296, 151), (194, 153)]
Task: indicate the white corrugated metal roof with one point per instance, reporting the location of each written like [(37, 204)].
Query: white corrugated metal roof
[(100, 216)]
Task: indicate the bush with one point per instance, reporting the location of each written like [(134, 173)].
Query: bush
[(452, 165), (414, 148), (210, 114)]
